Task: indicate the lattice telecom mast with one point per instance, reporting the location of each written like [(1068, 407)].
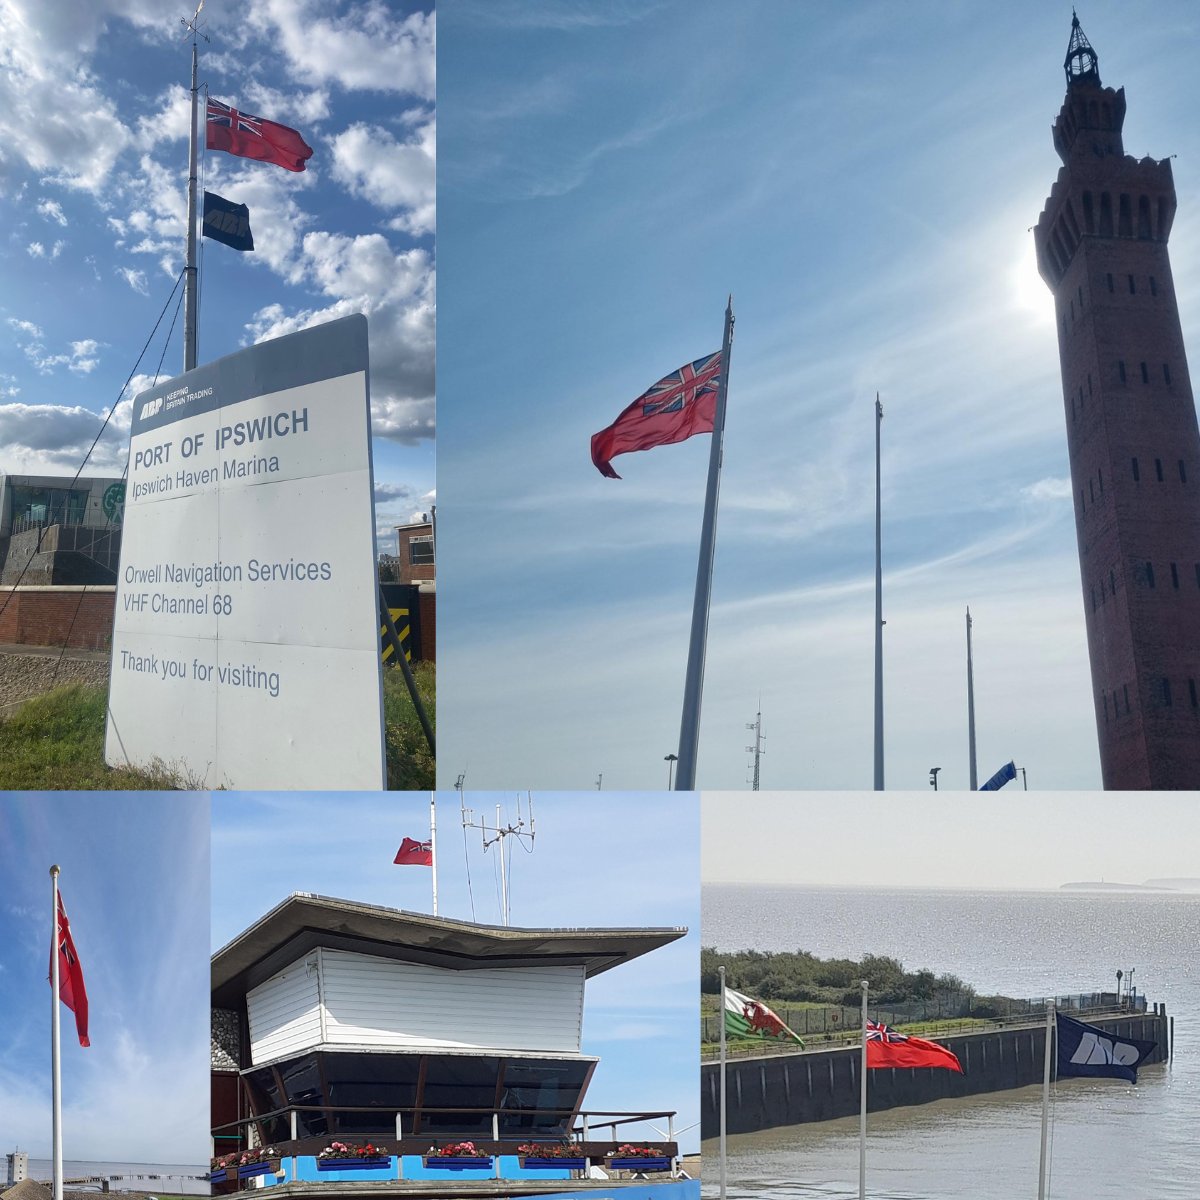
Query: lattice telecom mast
[(757, 749)]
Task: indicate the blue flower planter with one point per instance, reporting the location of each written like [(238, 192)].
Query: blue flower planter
[(251, 1169), (553, 1164), (354, 1164), (221, 1176), (659, 1163), (447, 1163)]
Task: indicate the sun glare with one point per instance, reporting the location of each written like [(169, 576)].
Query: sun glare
[(1030, 294)]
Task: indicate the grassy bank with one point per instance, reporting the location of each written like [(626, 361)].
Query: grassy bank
[(56, 741)]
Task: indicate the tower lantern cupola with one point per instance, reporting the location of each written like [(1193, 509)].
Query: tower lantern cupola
[(1081, 63)]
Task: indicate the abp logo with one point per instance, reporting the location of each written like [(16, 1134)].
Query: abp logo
[(151, 407)]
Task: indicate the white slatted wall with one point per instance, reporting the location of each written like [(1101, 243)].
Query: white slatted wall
[(361, 1000), (285, 1013), (379, 1002)]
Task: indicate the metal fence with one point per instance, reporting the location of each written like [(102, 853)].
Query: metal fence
[(949, 1013)]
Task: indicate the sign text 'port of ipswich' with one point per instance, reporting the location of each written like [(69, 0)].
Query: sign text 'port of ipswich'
[(245, 646)]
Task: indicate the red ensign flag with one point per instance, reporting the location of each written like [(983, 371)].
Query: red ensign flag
[(70, 975), (887, 1048), (675, 408), (414, 854), (252, 137)]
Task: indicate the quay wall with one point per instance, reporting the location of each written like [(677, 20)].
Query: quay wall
[(769, 1090)]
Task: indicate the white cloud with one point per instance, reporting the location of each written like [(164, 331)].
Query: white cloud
[(385, 493), (37, 250), (52, 211), (54, 437), (82, 358), (306, 107), (367, 49), (396, 292), (1048, 489), (169, 122), (273, 197), (54, 116), (391, 174), (135, 279)]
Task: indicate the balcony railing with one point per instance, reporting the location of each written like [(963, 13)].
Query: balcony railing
[(583, 1128)]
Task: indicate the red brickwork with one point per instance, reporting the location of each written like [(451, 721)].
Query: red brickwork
[(42, 616), (1132, 438), (410, 572), (428, 609)]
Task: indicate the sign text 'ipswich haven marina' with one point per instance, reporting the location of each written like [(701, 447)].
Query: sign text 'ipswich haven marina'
[(245, 646)]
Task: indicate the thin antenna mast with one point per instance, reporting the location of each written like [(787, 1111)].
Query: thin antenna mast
[(495, 835), (465, 816)]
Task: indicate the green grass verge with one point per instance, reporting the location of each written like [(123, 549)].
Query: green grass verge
[(56, 742), (410, 762)]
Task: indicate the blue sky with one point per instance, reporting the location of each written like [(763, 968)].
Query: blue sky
[(93, 185), (134, 883), (863, 179), (633, 861)]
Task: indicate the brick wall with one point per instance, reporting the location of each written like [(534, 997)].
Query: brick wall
[(428, 611), (42, 616)]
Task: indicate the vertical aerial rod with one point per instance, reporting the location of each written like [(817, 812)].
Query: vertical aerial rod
[(1050, 1023), (971, 708), (689, 730), (878, 609), (862, 1102), (721, 1127), (189, 284), (433, 846)]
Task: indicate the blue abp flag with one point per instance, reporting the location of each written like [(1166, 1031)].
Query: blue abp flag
[(1001, 777), (1086, 1050)]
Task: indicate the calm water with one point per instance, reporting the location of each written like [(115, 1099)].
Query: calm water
[(139, 1177), (1112, 1141)]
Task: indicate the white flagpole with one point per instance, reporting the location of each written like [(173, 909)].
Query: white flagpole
[(1045, 1100), (689, 731), (55, 1062), (862, 1107), (878, 608), (721, 972), (971, 709), (189, 283), (433, 846)]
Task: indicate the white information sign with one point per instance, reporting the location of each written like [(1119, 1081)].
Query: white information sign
[(246, 640)]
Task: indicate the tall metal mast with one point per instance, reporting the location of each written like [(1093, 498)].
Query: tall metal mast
[(189, 279), (878, 608), (971, 709)]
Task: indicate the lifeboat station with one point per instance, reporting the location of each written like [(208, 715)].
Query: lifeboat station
[(368, 1051)]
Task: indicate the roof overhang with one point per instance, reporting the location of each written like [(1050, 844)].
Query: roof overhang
[(303, 922)]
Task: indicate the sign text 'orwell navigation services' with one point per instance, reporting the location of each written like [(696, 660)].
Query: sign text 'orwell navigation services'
[(246, 641)]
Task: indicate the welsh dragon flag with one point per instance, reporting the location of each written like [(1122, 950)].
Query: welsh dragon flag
[(747, 1017)]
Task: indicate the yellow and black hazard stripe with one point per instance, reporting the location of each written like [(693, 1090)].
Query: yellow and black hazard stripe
[(401, 618)]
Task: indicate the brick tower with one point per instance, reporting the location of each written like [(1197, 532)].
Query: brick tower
[(1132, 435)]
